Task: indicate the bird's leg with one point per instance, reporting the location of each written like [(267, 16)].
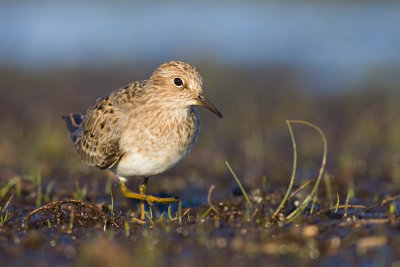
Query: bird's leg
[(143, 186), (143, 197), (142, 191)]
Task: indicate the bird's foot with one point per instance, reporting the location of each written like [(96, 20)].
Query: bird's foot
[(161, 200), (150, 199)]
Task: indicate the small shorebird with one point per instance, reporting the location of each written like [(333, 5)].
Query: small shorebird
[(144, 128)]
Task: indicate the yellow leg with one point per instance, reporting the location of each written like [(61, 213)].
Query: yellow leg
[(142, 191), (143, 197)]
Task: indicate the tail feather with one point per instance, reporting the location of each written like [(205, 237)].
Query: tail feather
[(73, 123)]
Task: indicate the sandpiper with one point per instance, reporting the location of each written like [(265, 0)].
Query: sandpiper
[(143, 128)]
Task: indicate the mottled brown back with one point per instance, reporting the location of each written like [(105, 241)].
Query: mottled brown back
[(96, 134)]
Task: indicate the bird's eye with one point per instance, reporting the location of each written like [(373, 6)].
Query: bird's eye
[(178, 82)]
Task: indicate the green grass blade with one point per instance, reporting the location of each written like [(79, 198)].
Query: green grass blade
[(206, 213), (285, 198), (238, 182), (328, 189), (314, 191)]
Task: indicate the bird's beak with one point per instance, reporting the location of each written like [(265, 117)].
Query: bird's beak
[(202, 101)]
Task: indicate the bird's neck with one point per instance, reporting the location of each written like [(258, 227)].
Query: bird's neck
[(178, 114)]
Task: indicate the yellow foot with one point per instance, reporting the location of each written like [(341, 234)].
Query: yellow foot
[(150, 199)]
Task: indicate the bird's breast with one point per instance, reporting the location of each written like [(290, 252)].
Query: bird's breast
[(156, 147)]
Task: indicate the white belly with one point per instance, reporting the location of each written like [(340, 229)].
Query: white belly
[(141, 166)]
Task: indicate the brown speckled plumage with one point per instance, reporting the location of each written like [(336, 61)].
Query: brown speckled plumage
[(145, 127)]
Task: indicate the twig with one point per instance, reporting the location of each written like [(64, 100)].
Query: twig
[(389, 199), (301, 188), (186, 212), (336, 207), (56, 204), (7, 203), (337, 202), (209, 199), (382, 203)]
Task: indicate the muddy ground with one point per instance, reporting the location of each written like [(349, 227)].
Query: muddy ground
[(55, 211)]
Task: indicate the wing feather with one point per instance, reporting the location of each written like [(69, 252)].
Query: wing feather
[(99, 141), (96, 135)]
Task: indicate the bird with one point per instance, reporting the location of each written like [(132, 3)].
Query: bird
[(144, 128)]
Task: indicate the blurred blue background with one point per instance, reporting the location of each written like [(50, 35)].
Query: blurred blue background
[(339, 41)]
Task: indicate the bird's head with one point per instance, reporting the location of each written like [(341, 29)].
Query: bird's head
[(181, 85)]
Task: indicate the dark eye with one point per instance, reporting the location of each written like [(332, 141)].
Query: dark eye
[(178, 82)]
